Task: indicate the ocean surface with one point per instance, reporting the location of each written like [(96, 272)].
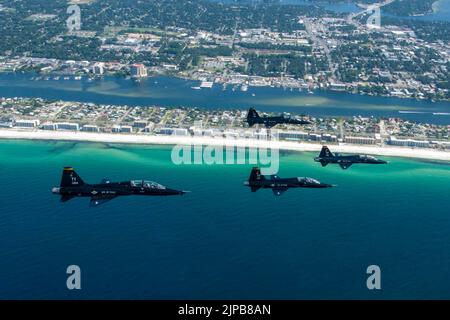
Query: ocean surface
[(174, 92), (220, 241)]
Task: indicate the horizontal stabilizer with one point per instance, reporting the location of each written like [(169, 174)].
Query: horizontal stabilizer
[(345, 165), (66, 198), (255, 188), (279, 191), (100, 199)]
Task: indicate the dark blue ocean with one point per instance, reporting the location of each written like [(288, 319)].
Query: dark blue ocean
[(220, 241)]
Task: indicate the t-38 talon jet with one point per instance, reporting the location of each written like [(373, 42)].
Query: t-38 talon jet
[(279, 185), (269, 122), (345, 162), (73, 186)]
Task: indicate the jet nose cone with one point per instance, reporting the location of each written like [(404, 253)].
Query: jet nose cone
[(56, 190), (326, 185), (175, 192)]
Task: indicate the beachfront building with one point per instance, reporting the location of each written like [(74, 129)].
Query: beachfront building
[(315, 137), (149, 128), (6, 124), (126, 129), (173, 131), (140, 124), (49, 126), (115, 129), (293, 135), (122, 129), (68, 126), (329, 138), (409, 143), (360, 140), (442, 144), (26, 123), (212, 133), (90, 128)]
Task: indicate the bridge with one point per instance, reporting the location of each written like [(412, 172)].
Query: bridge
[(366, 7)]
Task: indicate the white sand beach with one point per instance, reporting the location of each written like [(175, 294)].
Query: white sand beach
[(418, 153)]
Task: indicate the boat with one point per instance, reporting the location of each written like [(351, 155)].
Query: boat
[(207, 84), (412, 112)]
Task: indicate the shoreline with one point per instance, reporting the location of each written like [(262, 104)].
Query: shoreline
[(66, 136)]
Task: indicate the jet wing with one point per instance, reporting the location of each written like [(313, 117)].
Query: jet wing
[(255, 188), (101, 199), (323, 163), (279, 191), (270, 124), (345, 165), (66, 198)]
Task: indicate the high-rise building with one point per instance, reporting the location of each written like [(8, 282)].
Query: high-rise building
[(98, 68), (138, 70)]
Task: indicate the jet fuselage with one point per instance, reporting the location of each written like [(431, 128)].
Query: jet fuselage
[(117, 189), (73, 186), (254, 118), (279, 185), (345, 161), (270, 122)]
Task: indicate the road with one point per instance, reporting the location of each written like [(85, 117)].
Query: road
[(312, 29)]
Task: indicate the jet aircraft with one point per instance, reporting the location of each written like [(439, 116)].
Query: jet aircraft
[(73, 186), (254, 118), (279, 185), (345, 161)]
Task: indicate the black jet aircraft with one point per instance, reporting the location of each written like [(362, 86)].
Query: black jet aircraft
[(73, 186), (280, 185), (345, 162), (269, 122)]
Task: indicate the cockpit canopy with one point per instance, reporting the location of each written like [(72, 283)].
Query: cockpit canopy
[(368, 157), (146, 184), (308, 180)]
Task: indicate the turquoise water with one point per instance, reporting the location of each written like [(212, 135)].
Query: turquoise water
[(171, 92), (221, 240)]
